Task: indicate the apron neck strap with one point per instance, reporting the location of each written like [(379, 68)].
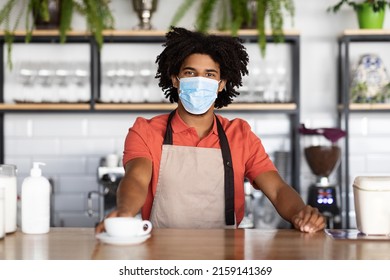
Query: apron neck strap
[(229, 175), (168, 140)]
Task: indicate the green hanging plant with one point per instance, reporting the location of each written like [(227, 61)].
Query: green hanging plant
[(370, 13), (377, 5), (96, 12), (237, 14)]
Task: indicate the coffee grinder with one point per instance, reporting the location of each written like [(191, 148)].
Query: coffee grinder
[(322, 155)]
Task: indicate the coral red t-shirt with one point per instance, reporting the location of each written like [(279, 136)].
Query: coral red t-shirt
[(249, 158)]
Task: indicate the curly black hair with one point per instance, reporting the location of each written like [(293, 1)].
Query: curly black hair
[(227, 51)]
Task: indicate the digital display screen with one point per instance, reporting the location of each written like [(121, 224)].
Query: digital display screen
[(325, 196)]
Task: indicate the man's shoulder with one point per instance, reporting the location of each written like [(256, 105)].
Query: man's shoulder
[(236, 123), (155, 121)]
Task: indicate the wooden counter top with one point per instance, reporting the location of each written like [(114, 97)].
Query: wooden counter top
[(170, 244)]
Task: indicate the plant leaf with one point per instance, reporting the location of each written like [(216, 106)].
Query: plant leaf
[(181, 11), (276, 19), (66, 19), (261, 12), (204, 15)]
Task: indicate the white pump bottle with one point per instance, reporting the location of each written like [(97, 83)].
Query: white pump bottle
[(35, 202)]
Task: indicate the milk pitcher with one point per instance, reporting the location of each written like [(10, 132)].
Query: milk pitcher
[(9, 184)]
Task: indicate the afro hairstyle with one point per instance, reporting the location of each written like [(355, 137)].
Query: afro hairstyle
[(227, 51)]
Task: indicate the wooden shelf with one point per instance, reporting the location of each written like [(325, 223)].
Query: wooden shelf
[(261, 106), (45, 106), (134, 106), (170, 106), (358, 32), (139, 107), (367, 107), (47, 32), (125, 32)]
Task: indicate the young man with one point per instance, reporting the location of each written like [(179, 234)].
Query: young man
[(186, 169)]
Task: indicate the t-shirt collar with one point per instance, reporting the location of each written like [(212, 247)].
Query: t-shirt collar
[(178, 125)]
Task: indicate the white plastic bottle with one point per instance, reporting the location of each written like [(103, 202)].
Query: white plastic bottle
[(35, 202)]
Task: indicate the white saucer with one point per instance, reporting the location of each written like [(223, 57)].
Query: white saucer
[(131, 240)]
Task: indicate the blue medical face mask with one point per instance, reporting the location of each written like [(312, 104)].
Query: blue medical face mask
[(197, 94)]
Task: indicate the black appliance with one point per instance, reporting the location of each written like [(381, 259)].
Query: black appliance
[(322, 194), (108, 179)]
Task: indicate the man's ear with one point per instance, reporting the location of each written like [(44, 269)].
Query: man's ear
[(175, 81), (222, 85)]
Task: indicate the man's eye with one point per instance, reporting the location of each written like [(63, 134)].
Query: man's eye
[(212, 75), (189, 73)]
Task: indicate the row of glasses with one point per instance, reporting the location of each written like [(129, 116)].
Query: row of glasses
[(50, 81), (130, 82), (268, 82)]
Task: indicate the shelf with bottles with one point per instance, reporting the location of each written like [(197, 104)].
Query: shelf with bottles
[(46, 75), (127, 72), (58, 77)]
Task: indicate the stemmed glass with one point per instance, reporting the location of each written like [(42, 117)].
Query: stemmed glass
[(80, 79), (270, 82), (26, 73), (108, 81), (61, 81), (128, 80), (145, 72), (281, 83), (258, 81), (154, 91), (44, 81)]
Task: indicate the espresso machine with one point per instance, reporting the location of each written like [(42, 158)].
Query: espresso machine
[(323, 155), (108, 177)]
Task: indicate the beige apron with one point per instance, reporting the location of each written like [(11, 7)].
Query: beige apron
[(195, 186)]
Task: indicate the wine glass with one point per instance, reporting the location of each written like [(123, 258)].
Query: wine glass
[(44, 84), (61, 80), (80, 80)]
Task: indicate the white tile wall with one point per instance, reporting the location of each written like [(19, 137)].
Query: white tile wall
[(71, 145)]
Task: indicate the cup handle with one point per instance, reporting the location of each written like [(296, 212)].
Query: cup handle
[(149, 227)]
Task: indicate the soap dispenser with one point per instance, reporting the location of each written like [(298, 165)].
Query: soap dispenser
[(35, 202)]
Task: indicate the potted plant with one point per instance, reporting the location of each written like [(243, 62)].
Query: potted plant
[(96, 12), (237, 14), (370, 13)]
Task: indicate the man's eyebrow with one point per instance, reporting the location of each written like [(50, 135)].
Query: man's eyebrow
[(189, 68), (211, 70), (192, 68)]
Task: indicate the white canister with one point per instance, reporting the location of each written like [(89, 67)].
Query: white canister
[(372, 204), (9, 183), (2, 212)]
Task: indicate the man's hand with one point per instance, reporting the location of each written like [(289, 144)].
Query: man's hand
[(309, 219)]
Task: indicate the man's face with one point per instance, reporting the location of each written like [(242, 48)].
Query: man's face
[(199, 65)]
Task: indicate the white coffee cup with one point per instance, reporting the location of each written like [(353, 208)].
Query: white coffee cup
[(127, 226)]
